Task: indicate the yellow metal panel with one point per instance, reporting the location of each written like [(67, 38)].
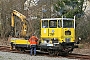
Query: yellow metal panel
[(21, 42), (72, 36), (53, 32), (44, 32), (60, 34)]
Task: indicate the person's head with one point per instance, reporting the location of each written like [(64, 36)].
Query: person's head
[(33, 34)]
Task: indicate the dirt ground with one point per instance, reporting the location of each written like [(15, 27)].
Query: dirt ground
[(83, 48)]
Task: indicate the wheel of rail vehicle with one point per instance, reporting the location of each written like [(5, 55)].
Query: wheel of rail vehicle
[(22, 50), (51, 52), (64, 52)]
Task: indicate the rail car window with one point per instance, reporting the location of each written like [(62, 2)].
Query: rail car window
[(68, 24), (45, 24), (59, 23), (53, 23)]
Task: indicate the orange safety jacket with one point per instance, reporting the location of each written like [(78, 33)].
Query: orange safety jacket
[(33, 40)]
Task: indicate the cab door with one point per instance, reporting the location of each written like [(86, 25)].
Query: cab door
[(53, 29), (44, 28)]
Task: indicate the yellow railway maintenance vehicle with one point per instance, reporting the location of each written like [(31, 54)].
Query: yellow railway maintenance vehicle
[(57, 35)]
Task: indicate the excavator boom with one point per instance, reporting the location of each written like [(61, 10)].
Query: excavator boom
[(23, 21)]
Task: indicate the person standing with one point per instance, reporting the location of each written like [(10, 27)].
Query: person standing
[(33, 42)]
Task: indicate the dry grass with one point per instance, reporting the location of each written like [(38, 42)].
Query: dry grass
[(4, 41)]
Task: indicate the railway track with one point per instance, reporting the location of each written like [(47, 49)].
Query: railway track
[(70, 56), (7, 49), (78, 56)]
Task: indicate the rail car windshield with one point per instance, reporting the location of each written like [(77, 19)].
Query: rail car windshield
[(68, 24), (53, 23), (45, 24), (59, 24)]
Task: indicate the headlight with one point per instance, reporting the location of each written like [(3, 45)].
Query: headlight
[(67, 40)]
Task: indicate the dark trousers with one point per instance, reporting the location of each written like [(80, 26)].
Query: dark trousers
[(33, 48)]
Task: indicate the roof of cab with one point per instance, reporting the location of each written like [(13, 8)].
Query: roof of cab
[(57, 19)]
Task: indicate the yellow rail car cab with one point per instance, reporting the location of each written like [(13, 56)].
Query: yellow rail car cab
[(57, 35)]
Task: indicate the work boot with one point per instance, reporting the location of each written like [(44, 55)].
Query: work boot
[(34, 54)]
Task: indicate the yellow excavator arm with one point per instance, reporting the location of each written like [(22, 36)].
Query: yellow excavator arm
[(23, 21)]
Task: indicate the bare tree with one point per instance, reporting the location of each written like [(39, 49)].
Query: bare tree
[(6, 9)]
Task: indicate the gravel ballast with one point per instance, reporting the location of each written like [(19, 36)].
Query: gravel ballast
[(17, 56)]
